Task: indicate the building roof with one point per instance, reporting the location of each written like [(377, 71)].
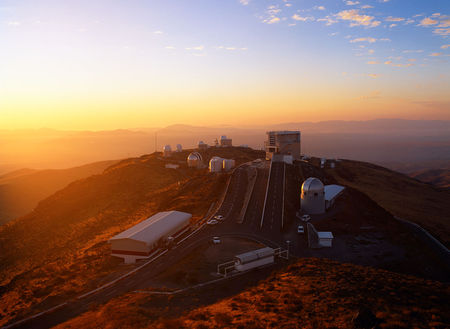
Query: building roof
[(312, 184), (255, 255), (284, 132), (325, 235), (150, 230), (332, 191)]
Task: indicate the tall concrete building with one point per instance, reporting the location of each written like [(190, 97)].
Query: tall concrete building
[(283, 142)]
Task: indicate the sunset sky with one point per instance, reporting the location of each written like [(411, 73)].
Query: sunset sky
[(105, 64)]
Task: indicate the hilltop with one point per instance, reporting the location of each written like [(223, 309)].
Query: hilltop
[(437, 177), (60, 249), (311, 293), (21, 190), (399, 194)]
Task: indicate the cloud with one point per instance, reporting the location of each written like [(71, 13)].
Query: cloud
[(170, 47), (366, 39), (319, 7), (443, 32), (329, 21), (196, 48), (303, 19), (373, 62), (244, 2), (373, 76), (158, 32), (366, 7), (394, 19), (271, 20), (357, 19), (351, 3), (413, 51), (435, 54), (272, 11), (398, 64), (427, 21), (13, 23), (392, 25), (445, 46)]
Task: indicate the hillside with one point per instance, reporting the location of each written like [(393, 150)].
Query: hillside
[(399, 194), (437, 177), (21, 190), (60, 249), (311, 293)]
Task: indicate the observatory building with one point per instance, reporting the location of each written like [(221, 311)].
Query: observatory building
[(141, 240), (224, 141), (313, 196), (215, 164), (179, 148), (202, 145), (283, 142), (194, 160), (167, 151), (316, 198)]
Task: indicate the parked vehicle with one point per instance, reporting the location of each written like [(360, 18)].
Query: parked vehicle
[(212, 222), (219, 217), (216, 240), (306, 218), (300, 229)]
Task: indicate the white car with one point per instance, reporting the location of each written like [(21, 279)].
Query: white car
[(300, 229), (219, 217), (306, 218), (212, 222), (216, 240)]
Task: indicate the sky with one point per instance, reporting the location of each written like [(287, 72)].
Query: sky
[(108, 64)]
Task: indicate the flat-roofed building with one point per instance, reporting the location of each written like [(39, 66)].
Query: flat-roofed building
[(285, 142), (141, 240), (224, 141)]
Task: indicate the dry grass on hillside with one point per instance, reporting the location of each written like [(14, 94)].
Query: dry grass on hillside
[(60, 249), (312, 293), (399, 194)]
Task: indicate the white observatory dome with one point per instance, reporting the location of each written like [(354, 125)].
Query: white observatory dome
[(167, 151), (313, 196), (194, 160), (179, 148), (312, 185)]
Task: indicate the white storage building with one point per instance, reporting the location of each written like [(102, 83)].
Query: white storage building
[(141, 240)]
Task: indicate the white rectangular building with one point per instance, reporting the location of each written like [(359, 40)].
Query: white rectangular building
[(141, 240)]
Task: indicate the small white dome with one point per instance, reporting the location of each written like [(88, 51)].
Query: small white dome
[(167, 148)]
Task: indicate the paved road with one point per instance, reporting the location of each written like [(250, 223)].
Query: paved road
[(273, 211)]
